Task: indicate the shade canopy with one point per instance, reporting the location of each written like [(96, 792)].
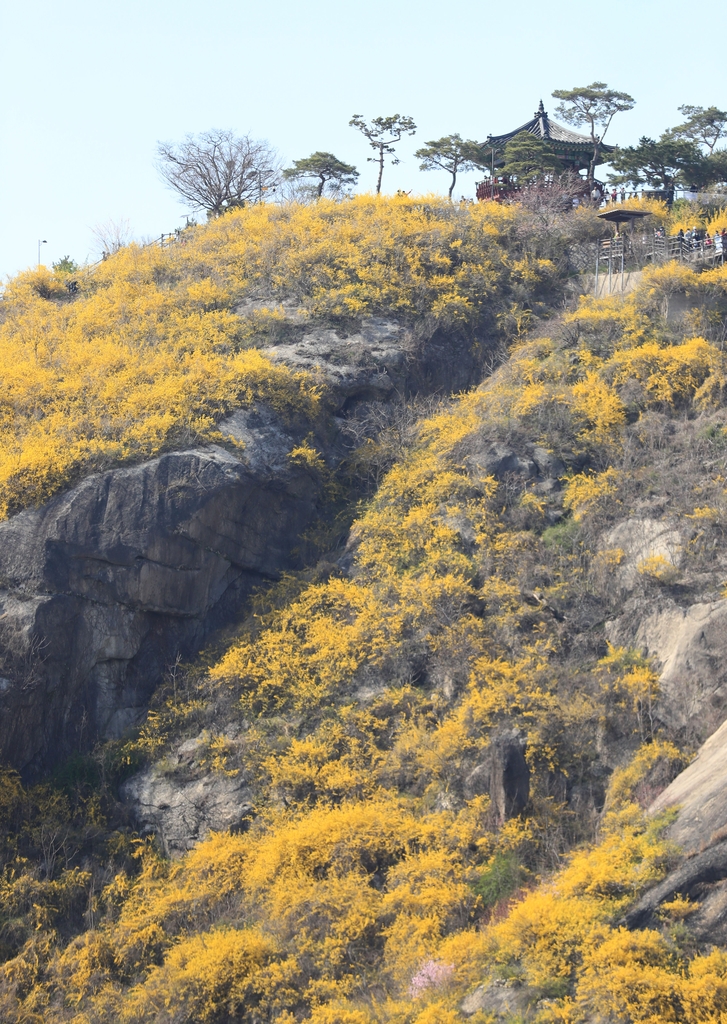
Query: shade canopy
[(623, 216)]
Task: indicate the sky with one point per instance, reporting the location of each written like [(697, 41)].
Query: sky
[(89, 87)]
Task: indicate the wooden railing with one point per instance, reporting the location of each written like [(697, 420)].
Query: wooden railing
[(658, 248), (616, 256), (502, 189)]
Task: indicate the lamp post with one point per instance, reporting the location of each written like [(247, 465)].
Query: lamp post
[(41, 241), (261, 171)]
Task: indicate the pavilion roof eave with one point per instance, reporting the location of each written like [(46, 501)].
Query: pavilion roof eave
[(498, 141), (549, 131)]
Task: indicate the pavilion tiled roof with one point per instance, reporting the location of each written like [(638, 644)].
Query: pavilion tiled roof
[(543, 128)]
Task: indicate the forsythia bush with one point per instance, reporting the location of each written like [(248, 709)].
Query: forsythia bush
[(380, 878), (135, 365), (158, 345)]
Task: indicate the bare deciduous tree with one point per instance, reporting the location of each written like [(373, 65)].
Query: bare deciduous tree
[(218, 170), (112, 236)]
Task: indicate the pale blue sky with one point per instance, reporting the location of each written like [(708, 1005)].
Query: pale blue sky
[(88, 88)]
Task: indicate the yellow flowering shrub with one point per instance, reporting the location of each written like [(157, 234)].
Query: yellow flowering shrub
[(718, 222), (158, 344), (379, 877), (659, 568), (129, 369), (625, 782), (585, 492)]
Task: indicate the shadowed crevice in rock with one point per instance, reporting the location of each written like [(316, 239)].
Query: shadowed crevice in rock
[(504, 776)]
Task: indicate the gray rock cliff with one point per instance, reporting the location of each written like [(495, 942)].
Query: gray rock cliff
[(105, 584), (182, 809), (699, 794), (684, 631)]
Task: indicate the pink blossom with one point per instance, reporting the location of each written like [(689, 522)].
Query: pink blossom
[(432, 974)]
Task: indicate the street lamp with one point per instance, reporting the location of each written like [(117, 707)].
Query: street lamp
[(255, 179), (260, 188), (41, 241)]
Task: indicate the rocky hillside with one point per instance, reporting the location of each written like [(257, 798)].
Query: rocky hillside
[(432, 764), (231, 454)]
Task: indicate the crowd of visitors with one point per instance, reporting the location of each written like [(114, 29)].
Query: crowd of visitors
[(601, 195), (695, 238)]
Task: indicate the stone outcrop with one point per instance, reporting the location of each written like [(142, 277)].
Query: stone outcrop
[(504, 776), (181, 811), (532, 463), (687, 641), (500, 1001), (381, 357), (640, 539), (105, 584), (103, 587), (700, 795), (702, 880), (688, 645)]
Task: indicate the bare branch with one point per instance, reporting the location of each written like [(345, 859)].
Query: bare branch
[(218, 170)]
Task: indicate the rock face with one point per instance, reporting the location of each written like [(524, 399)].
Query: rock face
[(105, 584), (700, 792), (504, 776), (689, 648), (700, 879), (640, 539), (688, 642), (700, 829), (500, 1001), (182, 812), (382, 356)]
